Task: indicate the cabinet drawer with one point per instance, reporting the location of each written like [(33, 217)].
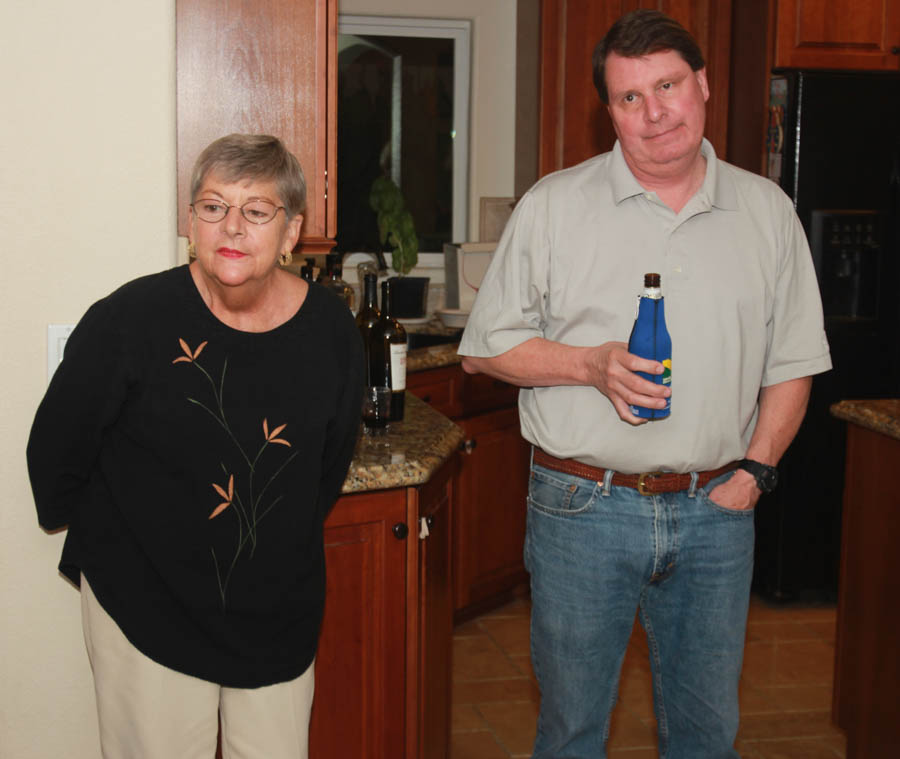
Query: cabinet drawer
[(438, 395), (438, 388), (481, 392), (457, 394)]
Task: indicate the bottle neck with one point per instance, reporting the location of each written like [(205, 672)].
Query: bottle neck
[(371, 292), (387, 301), (652, 292), (651, 308), (333, 264)]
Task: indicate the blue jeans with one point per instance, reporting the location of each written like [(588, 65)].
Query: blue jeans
[(597, 555)]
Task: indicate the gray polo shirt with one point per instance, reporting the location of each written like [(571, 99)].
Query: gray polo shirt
[(741, 299)]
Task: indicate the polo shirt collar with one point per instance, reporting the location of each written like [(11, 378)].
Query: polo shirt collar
[(718, 187)]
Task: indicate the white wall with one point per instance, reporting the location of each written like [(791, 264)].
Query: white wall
[(87, 202), (493, 94)]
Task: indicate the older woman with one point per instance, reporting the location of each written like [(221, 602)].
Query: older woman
[(193, 440)]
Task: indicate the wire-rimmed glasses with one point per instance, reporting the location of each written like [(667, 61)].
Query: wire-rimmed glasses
[(212, 210)]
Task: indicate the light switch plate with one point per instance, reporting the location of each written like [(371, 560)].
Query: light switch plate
[(57, 334)]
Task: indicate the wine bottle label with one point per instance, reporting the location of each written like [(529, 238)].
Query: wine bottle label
[(398, 366)]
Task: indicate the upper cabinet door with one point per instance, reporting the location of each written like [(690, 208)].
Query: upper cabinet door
[(574, 123), (838, 34), (266, 67)]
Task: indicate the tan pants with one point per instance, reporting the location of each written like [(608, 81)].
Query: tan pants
[(148, 711)]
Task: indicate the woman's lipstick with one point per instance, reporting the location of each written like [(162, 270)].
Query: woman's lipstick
[(230, 253)]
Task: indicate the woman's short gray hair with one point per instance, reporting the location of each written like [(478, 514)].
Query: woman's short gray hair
[(253, 156)]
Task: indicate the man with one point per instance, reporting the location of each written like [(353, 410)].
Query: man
[(607, 534)]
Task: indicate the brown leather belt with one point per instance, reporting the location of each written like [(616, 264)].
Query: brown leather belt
[(647, 483)]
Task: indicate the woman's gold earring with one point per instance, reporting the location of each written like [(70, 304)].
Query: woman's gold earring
[(286, 258), (191, 250)]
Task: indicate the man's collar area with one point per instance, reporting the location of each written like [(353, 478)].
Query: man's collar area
[(717, 185)]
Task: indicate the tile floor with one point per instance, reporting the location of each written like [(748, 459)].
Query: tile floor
[(785, 691)]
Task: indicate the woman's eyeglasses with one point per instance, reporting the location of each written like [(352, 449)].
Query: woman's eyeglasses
[(254, 211)]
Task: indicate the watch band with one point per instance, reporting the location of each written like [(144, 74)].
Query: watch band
[(766, 476)]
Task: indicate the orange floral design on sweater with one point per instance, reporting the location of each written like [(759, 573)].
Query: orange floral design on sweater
[(248, 500)]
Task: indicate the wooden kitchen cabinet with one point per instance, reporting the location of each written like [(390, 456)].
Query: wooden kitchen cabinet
[(574, 123), (359, 707), (812, 34), (263, 67), (489, 509), (383, 663), (866, 701), (480, 392), (429, 693), (440, 388), (838, 34)]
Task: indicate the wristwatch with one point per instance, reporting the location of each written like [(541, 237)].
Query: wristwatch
[(766, 476)]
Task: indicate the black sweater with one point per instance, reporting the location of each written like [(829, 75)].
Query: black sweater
[(194, 465)]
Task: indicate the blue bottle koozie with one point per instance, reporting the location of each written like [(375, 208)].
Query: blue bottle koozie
[(650, 339)]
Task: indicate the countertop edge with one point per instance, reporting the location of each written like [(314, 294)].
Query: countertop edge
[(408, 455), (433, 357), (879, 415)]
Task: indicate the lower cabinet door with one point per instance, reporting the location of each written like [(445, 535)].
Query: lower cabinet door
[(489, 521), (359, 708), (434, 627)]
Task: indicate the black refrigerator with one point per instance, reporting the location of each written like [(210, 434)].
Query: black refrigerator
[(834, 146)]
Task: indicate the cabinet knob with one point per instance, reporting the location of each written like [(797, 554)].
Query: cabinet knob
[(895, 50), (467, 446), (400, 531)]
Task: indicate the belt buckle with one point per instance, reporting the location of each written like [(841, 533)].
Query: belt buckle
[(641, 483)]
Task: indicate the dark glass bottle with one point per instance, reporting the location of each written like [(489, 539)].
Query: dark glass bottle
[(332, 278), (650, 339), (327, 274), (306, 271), (387, 353), (343, 290), (368, 315)]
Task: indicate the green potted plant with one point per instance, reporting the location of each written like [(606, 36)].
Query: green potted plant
[(397, 229)]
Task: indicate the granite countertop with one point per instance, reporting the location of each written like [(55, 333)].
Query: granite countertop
[(408, 455), (436, 354), (881, 415), (433, 357)]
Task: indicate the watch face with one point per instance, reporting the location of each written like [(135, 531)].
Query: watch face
[(769, 479)]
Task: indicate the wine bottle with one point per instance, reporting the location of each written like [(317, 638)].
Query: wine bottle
[(387, 353), (307, 270), (367, 317), (650, 339), (332, 278), (343, 290), (327, 274)]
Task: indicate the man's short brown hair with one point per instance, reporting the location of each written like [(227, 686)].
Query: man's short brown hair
[(640, 33)]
